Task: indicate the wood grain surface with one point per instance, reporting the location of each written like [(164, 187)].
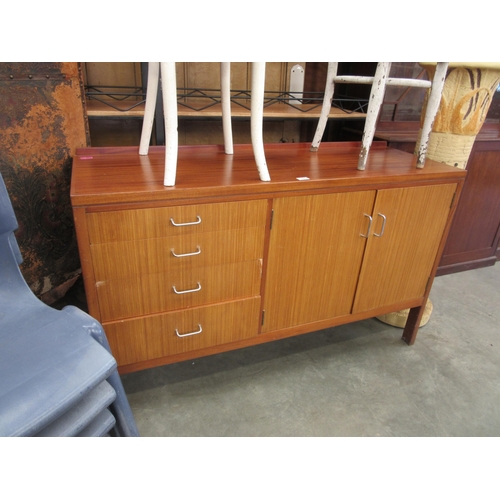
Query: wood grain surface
[(154, 336), (120, 175), (314, 257)]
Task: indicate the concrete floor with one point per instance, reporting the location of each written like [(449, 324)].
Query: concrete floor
[(354, 380)]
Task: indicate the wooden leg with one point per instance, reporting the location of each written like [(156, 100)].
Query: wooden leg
[(431, 111), (169, 90), (327, 105), (225, 84), (256, 119), (149, 111), (376, 98), (412, 324)]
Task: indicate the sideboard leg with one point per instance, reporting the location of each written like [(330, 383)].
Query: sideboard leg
[(412, 324)]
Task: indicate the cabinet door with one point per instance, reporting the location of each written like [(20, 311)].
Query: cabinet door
[(315, 256), (407, 227)]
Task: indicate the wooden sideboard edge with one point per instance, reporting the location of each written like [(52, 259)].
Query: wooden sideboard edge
[(94, 203)]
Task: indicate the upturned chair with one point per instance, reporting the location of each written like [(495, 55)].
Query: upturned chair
[(167, 72), (379, 83)]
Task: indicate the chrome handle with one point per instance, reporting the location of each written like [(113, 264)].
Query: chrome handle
[(180, 292), (198, 251), (197, 221), (384, 220), (369, 227), (200, 329)]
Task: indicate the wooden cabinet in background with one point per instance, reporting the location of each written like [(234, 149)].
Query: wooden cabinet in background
[(223, 261), (474, 239)]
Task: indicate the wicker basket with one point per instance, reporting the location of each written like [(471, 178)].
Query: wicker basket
[(398, 319)]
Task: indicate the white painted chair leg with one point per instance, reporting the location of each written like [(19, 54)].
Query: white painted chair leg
[(376, 98), (225, 83), (431, 111), (327, 105), (149, 110), (169, 90), (257, 117)]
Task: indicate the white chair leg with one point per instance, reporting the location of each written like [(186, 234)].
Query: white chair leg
[(327, 105), (149, 110), (225, 83), (376, 98), (431, 111), (257, 117), (169, 90)]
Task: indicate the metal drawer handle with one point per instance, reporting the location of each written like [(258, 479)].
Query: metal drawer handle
[(190, 333), (384, 220), (197, 221), (369, 227), (198, 251), (180, 292)]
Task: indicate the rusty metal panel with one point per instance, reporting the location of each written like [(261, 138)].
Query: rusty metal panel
[(42, 122)]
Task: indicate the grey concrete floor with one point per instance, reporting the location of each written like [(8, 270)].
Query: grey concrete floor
[(353, 380)]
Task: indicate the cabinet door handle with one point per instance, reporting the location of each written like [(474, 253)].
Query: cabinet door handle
[(384, 220), (178, 255), (176, 224), (369, 226), (200, 329), (192, 290)]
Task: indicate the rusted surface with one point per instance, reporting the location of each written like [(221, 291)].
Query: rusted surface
[(42, 122)]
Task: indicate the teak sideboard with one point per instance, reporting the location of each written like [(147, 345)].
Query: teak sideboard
[(223, 260)]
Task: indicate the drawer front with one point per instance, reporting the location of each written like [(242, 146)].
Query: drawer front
[(127, 225), (135, 258), (162, 292), (152, 337)]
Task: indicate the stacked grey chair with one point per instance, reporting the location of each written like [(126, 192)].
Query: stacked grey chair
[(57, 374)]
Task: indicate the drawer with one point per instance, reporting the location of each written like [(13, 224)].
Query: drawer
[(159, 255), (127, 225), (151, 337), (154, 293)]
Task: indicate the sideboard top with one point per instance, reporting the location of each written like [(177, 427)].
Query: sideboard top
[(121, 175)]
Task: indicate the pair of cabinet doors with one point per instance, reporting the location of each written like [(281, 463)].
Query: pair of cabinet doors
[(337, 254)]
